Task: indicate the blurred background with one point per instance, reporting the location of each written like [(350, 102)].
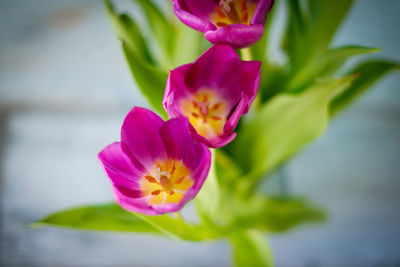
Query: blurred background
[(64, 91)]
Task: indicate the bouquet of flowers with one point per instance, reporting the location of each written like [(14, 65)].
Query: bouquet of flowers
[(226, 118)]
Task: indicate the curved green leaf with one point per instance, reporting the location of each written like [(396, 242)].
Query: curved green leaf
[(282, 214), (326, 64), (369, 73), (283, 126), (162, 29), (128, 31), (103, 217), (111, 217), (324, 18), (150, 80)]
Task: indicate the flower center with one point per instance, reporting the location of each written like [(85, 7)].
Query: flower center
[(167, 182), (206, 112), (233, 11)]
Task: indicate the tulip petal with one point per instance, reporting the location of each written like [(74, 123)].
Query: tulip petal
[(237, 35), (176, 134), (261, 12), (201, 9), (213, 67), (176, 80), (233, 119), (127, 200), (250, 75), (198, 22), (140, 136), (119, 167)]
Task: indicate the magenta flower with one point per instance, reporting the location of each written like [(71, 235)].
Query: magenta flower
[(157, 167), (213, 92), (239, 23)]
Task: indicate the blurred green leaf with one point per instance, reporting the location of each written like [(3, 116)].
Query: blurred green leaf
[(282, 214), (273, 81), (177, 227), (251, 249), (150, 80), (324, 18), (369, 73), (162, 29), (208, 199), (283, 126), (226, 169), (111, 217), (103, 217), (186, 46), (298, 17), (295, 32), (326, 64), (128, 31)]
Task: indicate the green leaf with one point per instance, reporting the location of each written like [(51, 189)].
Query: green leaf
[(369, 73), (162, 29), (111, 217), (325, 16), (227, 171), (103, 217), (326, 64), (296, 29), (283, 126), (282, 214), (273, 81), (297, 15), (186, 46), (128, 31), (150, 80), (208, 199), (251, 249), (177, 227)]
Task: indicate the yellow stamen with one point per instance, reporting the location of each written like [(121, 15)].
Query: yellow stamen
[(232, 12), (207, 112), (166, 182)]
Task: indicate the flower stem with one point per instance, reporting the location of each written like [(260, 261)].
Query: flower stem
[(251, 248), (207, 201), (246, 54), (178, 215)]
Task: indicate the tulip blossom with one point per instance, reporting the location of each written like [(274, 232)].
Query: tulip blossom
[(239, 23), (213, 92), (157, 167)]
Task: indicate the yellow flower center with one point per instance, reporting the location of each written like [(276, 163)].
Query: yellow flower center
[(167, 182), (233, 11), (207, 113)]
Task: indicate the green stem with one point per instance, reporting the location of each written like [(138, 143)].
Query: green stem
[(246, 54), (178, 215), (207, 201), (251, 248)]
